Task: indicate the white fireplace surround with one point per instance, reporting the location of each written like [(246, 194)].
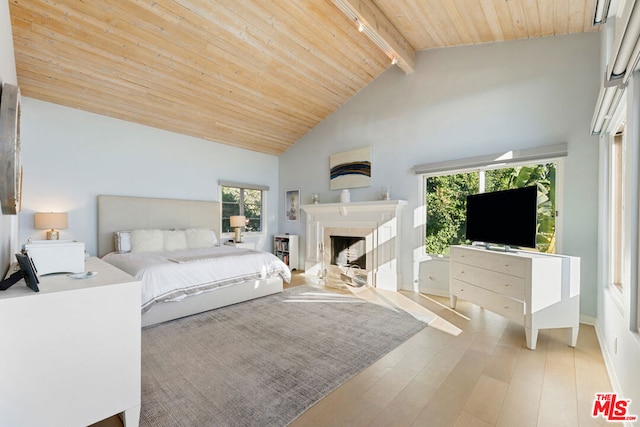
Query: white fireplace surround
[(376, 221)]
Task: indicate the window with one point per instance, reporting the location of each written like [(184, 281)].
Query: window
[(242, 199), (616, 207), (446, 201)]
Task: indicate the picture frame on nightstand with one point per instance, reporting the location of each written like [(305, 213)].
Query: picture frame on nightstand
[(28, 271)]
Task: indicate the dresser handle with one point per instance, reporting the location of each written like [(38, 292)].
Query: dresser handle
[(506, 285), (506, 307)]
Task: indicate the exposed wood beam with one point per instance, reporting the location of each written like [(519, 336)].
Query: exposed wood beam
[(380, 30)]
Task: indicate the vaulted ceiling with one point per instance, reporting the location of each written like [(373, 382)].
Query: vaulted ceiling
[(254, 74)]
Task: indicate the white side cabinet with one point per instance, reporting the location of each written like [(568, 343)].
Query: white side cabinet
[(538, 291), (285, 247), (71, 352)]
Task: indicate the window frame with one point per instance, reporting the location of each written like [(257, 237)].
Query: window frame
[(560, 165), (618, 294), (616, 202), (243, 187)]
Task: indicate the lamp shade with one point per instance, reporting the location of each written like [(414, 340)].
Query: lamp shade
[(50, 220), (237, 221)]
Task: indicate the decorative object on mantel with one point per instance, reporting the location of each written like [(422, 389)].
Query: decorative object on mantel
[(350, 169), (386, 193), (51, 221), (292, 205), (345, 196), (237, 222), (315, 198)]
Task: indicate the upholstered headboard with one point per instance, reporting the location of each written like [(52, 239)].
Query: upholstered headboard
[(120, 213)]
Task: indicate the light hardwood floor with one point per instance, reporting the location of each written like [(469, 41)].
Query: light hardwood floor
[(470, 367), (485, 376)]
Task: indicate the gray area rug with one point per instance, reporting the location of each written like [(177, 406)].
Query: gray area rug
[(262, 362)]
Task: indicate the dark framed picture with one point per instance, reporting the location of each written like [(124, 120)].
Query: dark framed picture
[(28, 271), (292, 205)]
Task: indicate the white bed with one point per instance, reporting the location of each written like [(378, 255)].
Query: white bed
[(197, 272)]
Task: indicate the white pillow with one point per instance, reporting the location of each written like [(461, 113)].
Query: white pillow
[(174, 240), (122, 241), (147, 241), (200, 238)]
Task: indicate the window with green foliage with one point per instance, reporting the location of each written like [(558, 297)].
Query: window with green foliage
[(446, 209), (242, 201), (446, 198)]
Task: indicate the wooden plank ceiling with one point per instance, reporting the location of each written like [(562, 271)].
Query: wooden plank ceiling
[(253, 74)]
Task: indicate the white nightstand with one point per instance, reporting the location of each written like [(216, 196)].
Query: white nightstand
[(246, 245), (72, 350)]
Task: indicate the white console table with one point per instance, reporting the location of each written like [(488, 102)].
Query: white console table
[(536, 290), (71, 352)]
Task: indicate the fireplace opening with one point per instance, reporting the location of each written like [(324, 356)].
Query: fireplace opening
[(347, 250)]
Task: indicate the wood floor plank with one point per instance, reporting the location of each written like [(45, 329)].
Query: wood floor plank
[(467, 420), (485, 401), (364, 408), (503, 363), (405, 408), (521, 405), (559, 385), (448, 401)]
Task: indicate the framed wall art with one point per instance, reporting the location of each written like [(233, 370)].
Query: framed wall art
[(10, 178), (292, 205), (350, 169)]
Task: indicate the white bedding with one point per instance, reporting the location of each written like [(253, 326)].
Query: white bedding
[(172, 276)]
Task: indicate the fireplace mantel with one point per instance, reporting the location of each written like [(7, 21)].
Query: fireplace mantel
[(378, 220), (345, 209)]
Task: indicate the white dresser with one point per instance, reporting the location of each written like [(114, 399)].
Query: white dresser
[(536, 290), (71, 352)]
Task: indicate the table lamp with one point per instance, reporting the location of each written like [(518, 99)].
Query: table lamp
[(238, 221), (51, 221)]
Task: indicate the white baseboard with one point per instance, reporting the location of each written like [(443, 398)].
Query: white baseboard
[(608, 363), (436, 292), (588, 320)]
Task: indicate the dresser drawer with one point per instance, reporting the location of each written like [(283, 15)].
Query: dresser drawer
[(499, 304), (500, 283), (502, 263)]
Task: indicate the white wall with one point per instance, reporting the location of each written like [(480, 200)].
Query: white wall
[(8, 223), (71, 156), (463, 102)]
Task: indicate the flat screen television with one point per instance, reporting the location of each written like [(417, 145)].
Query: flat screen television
[(506, 217)]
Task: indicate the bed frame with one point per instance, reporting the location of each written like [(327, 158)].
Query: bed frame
[(120, 213)]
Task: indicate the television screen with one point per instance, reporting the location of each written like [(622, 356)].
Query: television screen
[(506, 217)]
